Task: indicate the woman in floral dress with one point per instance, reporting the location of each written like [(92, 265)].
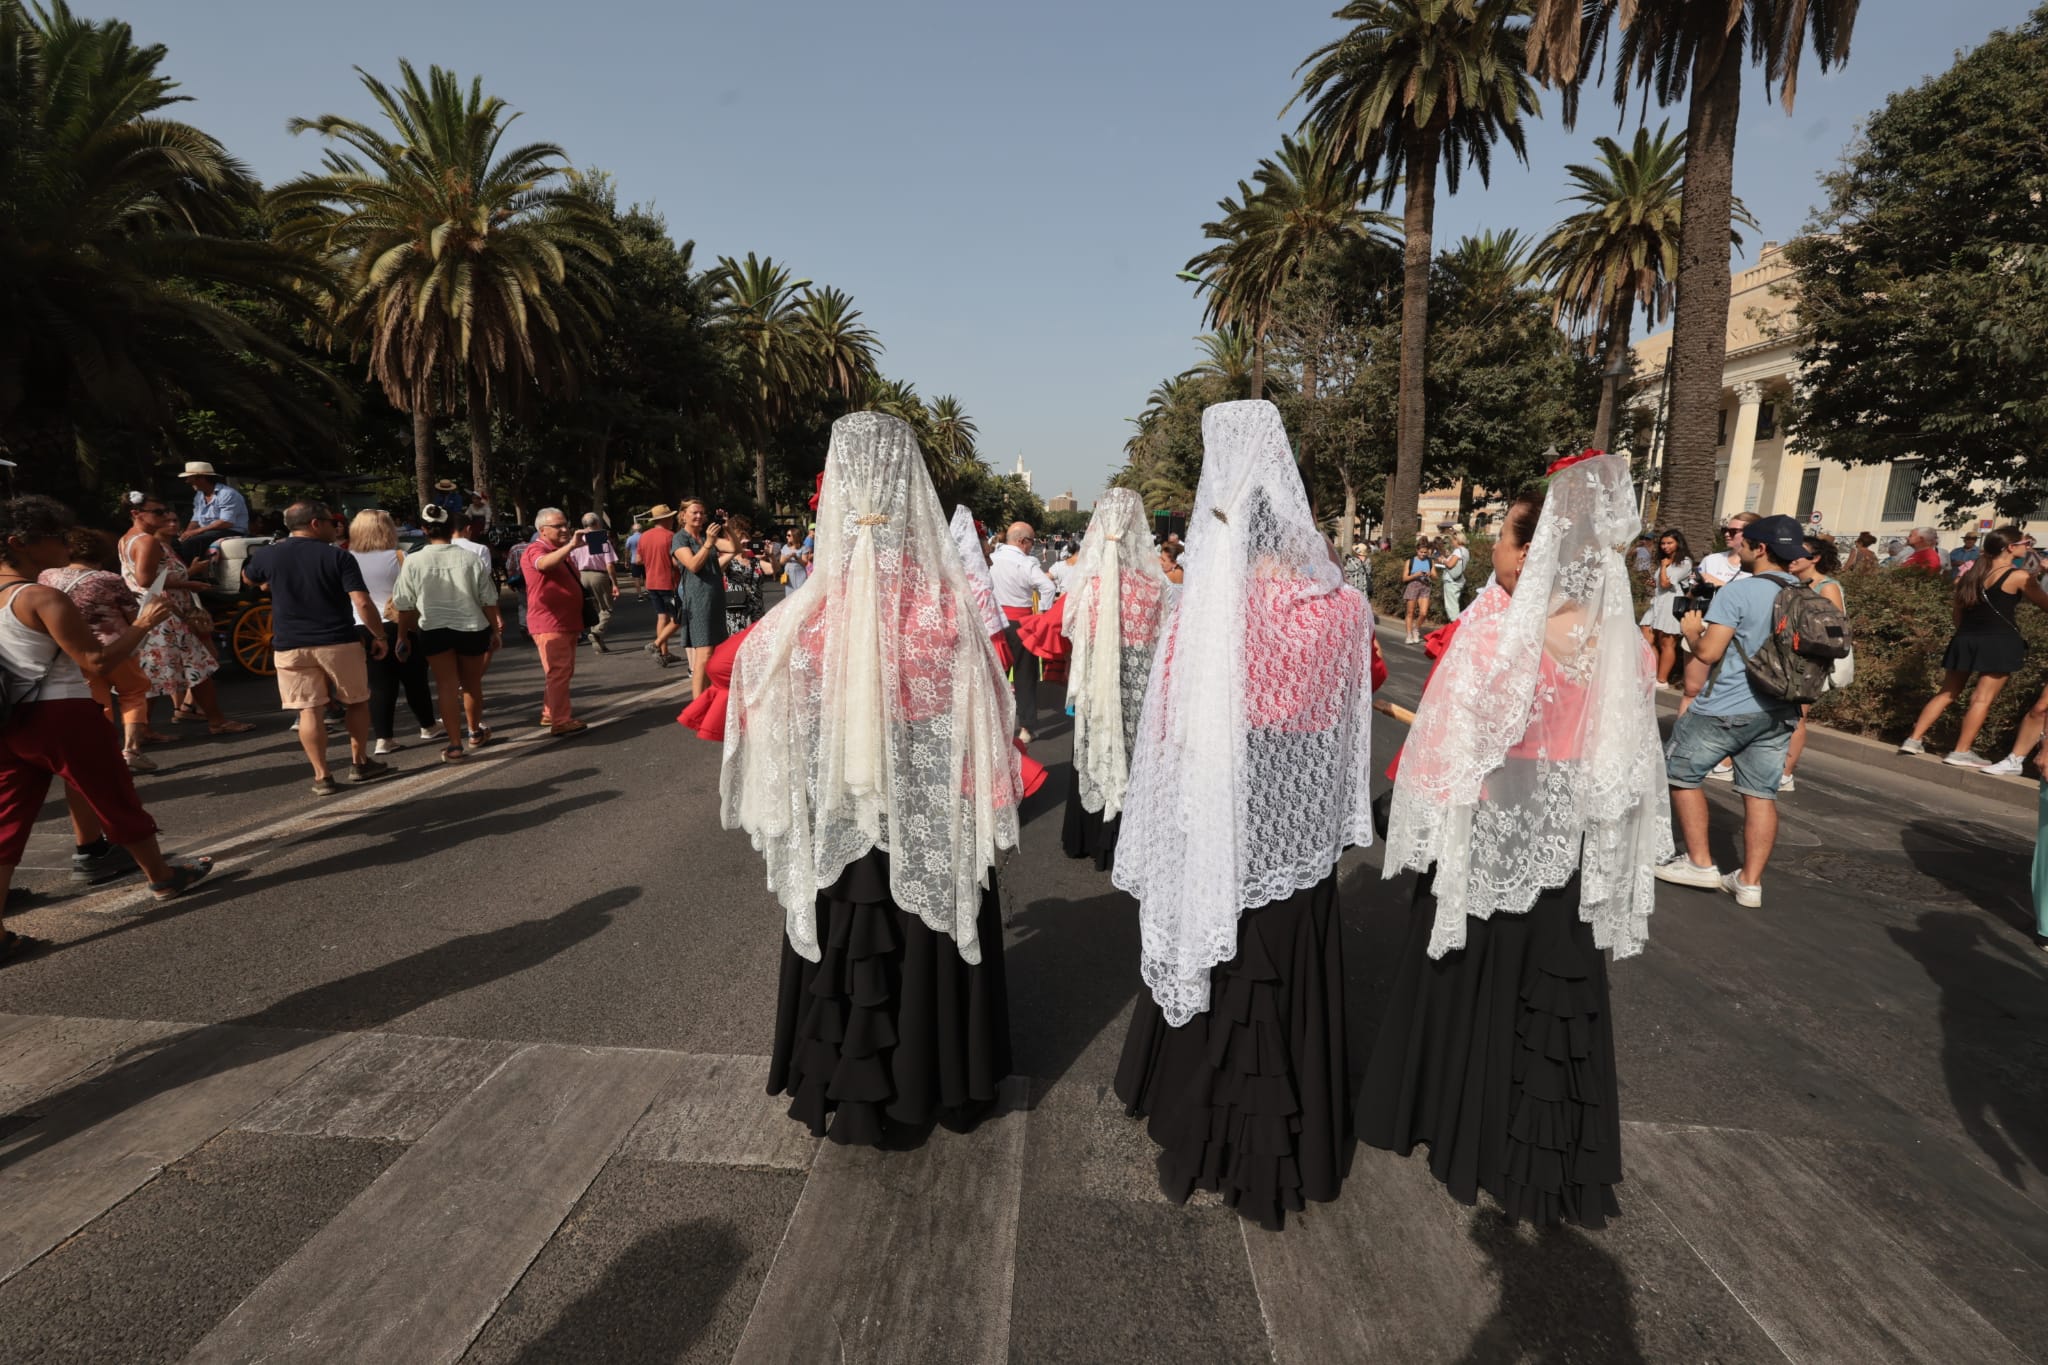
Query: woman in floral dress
[(109, 608), (174, 658)]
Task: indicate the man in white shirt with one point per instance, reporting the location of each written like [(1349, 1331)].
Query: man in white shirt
[(1017, 576)]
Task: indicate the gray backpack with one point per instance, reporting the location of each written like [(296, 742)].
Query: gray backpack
[(1808, 633)]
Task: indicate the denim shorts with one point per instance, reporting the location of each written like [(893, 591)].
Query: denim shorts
[(1756, 740)]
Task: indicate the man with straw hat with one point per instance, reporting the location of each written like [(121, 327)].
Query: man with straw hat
[(656, 556)]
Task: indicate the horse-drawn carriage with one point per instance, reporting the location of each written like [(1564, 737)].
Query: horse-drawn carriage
[(241, 614)]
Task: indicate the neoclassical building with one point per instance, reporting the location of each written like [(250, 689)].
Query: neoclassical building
[(1756, 468)]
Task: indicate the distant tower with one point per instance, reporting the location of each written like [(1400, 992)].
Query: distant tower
[(1022, 472)]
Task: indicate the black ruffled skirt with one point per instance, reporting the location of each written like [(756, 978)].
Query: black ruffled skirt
[(889, 1032), (1500, 1058), (1252, 1099), (1085, 834)]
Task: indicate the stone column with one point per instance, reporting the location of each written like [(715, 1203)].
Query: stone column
[(1741, 449)]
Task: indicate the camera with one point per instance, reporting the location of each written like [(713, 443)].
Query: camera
[(1696, 596)]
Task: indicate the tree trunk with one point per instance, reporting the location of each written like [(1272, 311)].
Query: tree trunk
[(423, 452), (1418, 224), (1699, 337), (761, 480), (1612, 349), (1465, 499), (480, 442), (601, 474), (1346, 533)]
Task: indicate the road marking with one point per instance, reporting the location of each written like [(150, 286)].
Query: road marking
[(417, 1264), (900, 1257), (106, 1140), (129, 897)]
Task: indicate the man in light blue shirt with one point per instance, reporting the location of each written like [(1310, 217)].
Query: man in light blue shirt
[(1730, 719), (218, 511)]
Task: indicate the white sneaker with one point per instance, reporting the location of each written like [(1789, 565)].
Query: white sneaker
[(1724, 771), (1748, 897), (1963, 758), (1683, 871), (386, 746), (2009, 766), (1912, 746), (433, 732), (1786, 784)]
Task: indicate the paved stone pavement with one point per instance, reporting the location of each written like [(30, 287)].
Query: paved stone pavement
[(467, 1066)]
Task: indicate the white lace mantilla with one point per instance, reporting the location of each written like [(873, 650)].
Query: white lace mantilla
[(1251, 772), (1535, 751), (867, 709), (974, 560), (1113, 645)]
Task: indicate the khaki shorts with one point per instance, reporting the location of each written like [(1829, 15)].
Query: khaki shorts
[(307, 677)]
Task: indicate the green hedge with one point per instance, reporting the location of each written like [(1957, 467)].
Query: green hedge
[(1901, 622)]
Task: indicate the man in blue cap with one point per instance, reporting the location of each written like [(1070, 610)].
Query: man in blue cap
[(1731, 719)]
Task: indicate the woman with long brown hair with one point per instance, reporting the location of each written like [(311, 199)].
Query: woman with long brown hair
[(1987, 642)]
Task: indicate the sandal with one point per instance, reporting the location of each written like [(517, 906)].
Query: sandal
[(14, 947), (479, 738), (452, 754), (186, 873), (185, 713), (230, 727), (137, 761)]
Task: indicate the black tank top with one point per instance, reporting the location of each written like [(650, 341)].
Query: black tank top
[(1993, 612)]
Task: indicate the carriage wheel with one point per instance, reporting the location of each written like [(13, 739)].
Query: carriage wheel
[(251, 641)]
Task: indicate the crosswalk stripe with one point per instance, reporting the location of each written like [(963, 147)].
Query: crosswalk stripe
[(418, 1263), (111, 1137), (900, 1257)]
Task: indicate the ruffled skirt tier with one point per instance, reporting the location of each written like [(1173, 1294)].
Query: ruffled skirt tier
[(1500, 1058), (1251, 1100), (889, 1032), (1085, 834)]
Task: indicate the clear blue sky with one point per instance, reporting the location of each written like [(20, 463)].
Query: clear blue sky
[(1006, 191)]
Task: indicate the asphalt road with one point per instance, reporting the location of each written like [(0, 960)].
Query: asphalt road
[(1855, 1077)]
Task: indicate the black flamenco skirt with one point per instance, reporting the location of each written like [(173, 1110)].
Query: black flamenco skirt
[(1500, 1057), (889, 1032), (1251, 1100), (1085, 834)]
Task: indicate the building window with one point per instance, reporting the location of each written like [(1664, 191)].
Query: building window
[(1767, 422), (1809, 488), (1721, 433), (1902, 491)]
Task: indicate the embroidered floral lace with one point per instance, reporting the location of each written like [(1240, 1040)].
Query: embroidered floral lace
[(1535, 750), (1113, 648), (867, 709), (1250, 773)]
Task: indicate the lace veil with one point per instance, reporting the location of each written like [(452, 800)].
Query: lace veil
[(974, 560), (1535, 751), (1114, 606), (867, 710), (1251, 771)]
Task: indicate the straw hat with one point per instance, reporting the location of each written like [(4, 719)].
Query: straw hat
[(661, 511), (446, 486), (197, 468)]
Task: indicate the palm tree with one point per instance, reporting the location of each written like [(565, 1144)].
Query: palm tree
[(843, 350), (1618, 253), (1694, 48), (1306, 201), (1414, 86), (120, 234), (762, 312), (470, 277), (953, 432), (1229, 361)]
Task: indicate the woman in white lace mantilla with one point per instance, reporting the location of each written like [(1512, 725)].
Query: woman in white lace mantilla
[(1112, 612), (1529, 797), (1248, 780), (868, 756)]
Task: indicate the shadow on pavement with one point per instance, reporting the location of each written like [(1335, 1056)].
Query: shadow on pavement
[(1073, 968), (1991, 1030), (363, 1000), (654, 1301), (1562, 1298), (1984, 865)]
